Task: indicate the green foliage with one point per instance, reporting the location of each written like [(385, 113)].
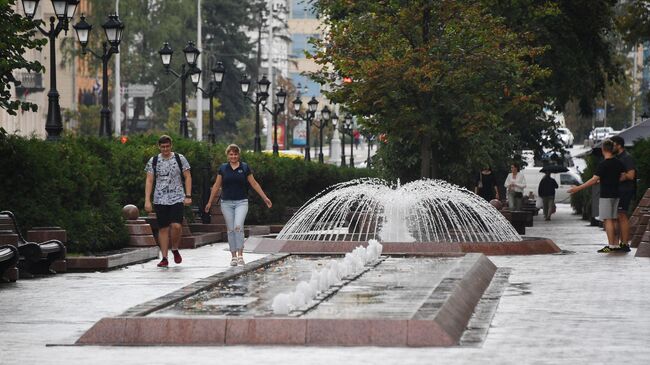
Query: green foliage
[(62, 184), (88, 117), (81, 183), (17, 38), (641, 155), (634, 21), (452, 91)]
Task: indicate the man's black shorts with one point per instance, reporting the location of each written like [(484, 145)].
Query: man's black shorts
[(625, 197), (167, 214)]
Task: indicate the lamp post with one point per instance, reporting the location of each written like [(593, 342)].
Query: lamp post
[(325, 117), (64, 11), (369, 139), (278, 107), (191, 55), (348, 130), (342, 130), (312, 105), (214, 86), (113, 29), (260, 97)]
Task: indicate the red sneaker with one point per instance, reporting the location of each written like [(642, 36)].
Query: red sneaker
[(163, 262), (177, 256)]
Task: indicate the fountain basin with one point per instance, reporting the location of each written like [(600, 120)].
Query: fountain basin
[(400, 301), (527, 246)]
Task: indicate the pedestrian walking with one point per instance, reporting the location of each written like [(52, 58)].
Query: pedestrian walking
[(515, 185), (546, 191), (486, 185), (234, 177), (626, 191), (170, 180), (608, 175)]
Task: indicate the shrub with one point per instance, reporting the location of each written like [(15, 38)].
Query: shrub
[(82, 183)]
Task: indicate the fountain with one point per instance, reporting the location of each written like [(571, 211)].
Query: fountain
[(420, 216), (364, 263)]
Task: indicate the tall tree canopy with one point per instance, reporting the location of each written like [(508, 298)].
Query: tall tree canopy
[(17, 37), (444, 79), (150, 23)]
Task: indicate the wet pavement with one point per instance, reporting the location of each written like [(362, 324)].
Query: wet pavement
[(579, 307)]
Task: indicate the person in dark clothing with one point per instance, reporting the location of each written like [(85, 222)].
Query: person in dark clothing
[(234, 178), (546, 191), (608, 175), (486, 185), (626, 190)]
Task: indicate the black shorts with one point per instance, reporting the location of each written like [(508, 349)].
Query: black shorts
[(167, 214), (625, 197)]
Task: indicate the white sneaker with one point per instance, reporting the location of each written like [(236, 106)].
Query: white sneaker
[(240, 260), (233, 262)]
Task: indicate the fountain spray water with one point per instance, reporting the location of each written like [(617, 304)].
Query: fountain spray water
[(321, 280), (419, 211)]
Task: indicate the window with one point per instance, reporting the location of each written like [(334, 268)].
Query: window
[(568, 179), (312, 87), (300, 43), (301, 9)]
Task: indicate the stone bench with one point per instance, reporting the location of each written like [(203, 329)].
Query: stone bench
[(35, 257)]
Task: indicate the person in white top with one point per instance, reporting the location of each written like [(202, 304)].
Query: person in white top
[(515, 184)]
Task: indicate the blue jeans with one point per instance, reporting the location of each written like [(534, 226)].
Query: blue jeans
[(234, 213)]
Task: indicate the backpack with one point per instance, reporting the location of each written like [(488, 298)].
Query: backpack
[(154, 163)]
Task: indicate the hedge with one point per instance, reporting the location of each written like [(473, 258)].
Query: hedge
[(82, 183)]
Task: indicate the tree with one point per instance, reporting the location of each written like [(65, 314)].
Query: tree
[(634, 21), (433, 79), (578, 36), (17, 37), (226, 41)]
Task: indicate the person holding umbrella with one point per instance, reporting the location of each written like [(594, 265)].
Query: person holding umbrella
[(546, 191)]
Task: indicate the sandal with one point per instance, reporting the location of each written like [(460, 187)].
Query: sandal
[(240, 260), (233, 262)]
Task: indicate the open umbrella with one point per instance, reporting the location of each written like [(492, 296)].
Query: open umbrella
[(553, 169)]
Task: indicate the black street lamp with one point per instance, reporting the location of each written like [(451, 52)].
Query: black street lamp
[(312, 105), (214, 86), (64, 11), (191, 55), (347, 129), (278, 107), (369, 140), (342, 130), (325, 117), (260, 98), (113, 29)]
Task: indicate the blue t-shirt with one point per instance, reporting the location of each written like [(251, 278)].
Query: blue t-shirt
[(234, 182)]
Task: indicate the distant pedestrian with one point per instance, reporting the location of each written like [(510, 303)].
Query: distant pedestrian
[(234, 177), (608, 175), (486, 185), (515, 185), (546, 191), (626, 190), (168, 172), (357, 138)]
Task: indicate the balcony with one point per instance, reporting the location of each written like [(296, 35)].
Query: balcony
[(29, 83)]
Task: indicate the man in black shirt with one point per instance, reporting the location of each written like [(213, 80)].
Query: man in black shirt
[(608, 175), (626, 190)]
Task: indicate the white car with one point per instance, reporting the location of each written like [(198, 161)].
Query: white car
[(564, 180), (565, 136), (600, 133)]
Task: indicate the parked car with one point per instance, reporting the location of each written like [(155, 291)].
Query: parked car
[(565, 136), (600, 133)]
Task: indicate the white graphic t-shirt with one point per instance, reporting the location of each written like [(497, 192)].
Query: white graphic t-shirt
[(169, 188)]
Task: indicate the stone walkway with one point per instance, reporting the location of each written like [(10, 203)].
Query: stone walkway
[(574, 308)]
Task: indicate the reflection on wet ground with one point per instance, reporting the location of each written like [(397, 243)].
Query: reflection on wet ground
[(394, 289)]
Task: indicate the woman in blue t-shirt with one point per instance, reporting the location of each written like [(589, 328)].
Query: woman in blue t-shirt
[(233, 178)]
